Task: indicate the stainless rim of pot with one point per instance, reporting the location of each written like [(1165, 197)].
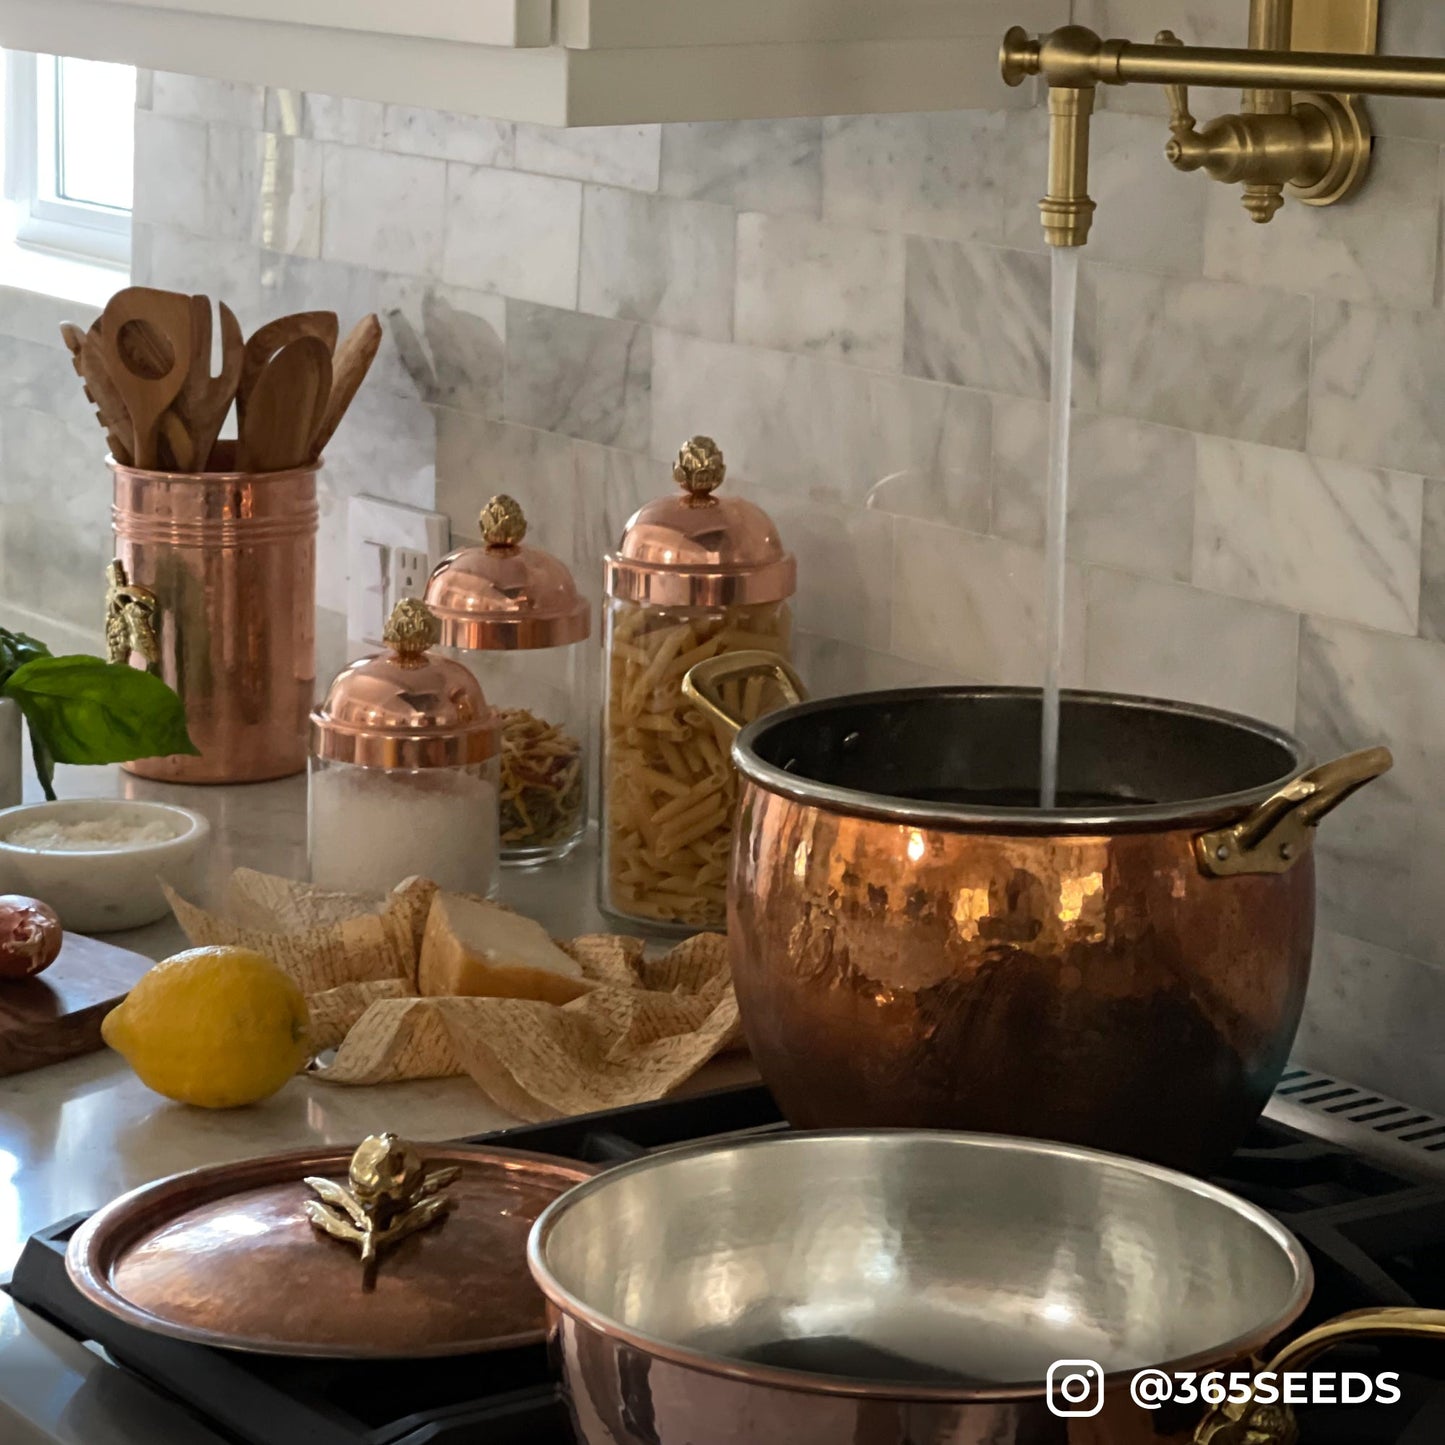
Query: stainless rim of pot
[(1243, 1345)]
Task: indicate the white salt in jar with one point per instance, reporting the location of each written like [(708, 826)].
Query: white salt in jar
[(405, 762)]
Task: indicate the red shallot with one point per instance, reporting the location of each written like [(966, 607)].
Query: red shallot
[(30, 936)]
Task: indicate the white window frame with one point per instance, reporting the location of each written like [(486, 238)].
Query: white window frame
[(75, 229)]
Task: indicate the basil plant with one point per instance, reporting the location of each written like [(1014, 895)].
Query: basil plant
[(84, 710)]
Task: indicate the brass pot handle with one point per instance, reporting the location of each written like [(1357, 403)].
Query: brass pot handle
[(1274, 837), (1253, 1423), (703, 684)]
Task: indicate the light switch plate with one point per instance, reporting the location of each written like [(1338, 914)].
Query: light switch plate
[(390, 552)]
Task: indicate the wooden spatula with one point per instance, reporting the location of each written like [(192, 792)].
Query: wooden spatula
[(353, 361), (130, 357), (285, 407), (269, 339), (208, 398)]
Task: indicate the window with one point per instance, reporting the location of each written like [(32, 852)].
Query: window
[(69, 155)]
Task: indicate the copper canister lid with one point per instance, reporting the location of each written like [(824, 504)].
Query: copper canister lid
[(505, 595), (700, 549), (406, 709)]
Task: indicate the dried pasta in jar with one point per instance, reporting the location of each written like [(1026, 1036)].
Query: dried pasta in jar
[(695, 576), (670, 792)]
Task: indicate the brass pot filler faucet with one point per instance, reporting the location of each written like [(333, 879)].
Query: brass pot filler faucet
[(1302, 126)]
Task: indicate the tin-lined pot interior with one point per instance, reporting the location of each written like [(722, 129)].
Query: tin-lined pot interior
[(940, 1262), (961, 754)]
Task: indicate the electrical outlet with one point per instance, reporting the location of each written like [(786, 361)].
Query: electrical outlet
[(390, 552), (409, 571)]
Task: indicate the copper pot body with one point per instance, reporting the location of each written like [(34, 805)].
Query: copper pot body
[(1097, 990), (1078, 975), (622, 1395), (231, 559)]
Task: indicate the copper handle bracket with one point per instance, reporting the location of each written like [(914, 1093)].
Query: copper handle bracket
[(1277, 834)]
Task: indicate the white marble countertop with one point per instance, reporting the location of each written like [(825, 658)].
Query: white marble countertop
[(74, 1135)]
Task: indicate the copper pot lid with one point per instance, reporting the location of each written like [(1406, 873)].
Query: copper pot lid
[(229, 1255), (700, 549), (504, 595), (406, 708)]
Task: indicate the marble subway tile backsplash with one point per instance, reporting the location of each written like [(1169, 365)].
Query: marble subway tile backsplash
[(857, 308)]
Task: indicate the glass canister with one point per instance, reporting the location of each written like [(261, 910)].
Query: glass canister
[(513, 614), (405, 760), (696, 575)]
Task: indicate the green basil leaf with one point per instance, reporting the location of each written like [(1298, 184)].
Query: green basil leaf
[(89, 711), (16, 649)]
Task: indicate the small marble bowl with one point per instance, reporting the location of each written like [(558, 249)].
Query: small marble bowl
[(103, 887)]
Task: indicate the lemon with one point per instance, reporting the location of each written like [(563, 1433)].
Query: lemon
[(218, 1027)]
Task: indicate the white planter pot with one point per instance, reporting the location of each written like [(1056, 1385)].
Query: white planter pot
[(10, 781)]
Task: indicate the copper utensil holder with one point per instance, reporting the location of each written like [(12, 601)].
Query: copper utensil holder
[(231, 559)]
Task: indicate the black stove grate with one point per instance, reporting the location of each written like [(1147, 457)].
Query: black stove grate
[(1375, 1237)]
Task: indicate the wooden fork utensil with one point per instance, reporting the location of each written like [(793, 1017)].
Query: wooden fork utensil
[(110, 410)]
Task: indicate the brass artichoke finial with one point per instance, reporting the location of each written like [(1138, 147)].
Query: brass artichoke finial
[(502, 522), (390, 1194), (700, 468), (412, 628)]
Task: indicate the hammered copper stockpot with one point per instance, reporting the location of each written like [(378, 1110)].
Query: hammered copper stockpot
[(914, 1288), (915, 943)]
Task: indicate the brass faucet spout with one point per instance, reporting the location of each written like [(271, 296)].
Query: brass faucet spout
[(1067, 210)]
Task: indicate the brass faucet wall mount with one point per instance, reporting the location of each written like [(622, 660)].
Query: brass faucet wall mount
[(1302, 127)]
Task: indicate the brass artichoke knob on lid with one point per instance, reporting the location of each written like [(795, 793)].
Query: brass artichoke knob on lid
[(701, 549), (411, 630), (502, 522), (700, 469)]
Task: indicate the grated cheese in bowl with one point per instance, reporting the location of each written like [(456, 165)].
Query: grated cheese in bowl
[(89, 835)]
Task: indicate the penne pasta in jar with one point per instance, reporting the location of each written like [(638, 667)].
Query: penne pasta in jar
[(696, 575)]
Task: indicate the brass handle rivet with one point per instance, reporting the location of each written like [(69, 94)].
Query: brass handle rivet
[(1222, 852)]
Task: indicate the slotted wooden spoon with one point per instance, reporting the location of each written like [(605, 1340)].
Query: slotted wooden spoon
[(208, 399), (147, 379)]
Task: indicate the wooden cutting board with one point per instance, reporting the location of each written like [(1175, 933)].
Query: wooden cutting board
[(57, 1015)]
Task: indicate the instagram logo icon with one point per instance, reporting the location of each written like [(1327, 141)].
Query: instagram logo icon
[(1075, 1389)]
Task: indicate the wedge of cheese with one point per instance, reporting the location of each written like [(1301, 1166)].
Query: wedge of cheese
[(483, 951)]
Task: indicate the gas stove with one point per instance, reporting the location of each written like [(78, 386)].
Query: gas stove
[(1367, 1199)]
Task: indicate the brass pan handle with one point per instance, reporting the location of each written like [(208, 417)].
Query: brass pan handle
[(1252, 1423), (703, 685), (1277, 834)]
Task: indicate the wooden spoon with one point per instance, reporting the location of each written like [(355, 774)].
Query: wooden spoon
[(353, 361), (147, 378), (286, 405), (208, 399), (269, 339)]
